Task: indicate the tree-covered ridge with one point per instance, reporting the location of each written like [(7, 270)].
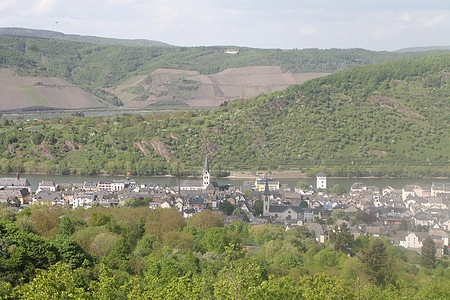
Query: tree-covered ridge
[(384, 120), (97, 67), (24, 32), (139, 253)]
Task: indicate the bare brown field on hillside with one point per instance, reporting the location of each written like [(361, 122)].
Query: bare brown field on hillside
[(196, 90), (30, 93)]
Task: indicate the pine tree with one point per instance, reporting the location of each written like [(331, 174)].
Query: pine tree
[(428, 253), (342, 238), (376, 262)]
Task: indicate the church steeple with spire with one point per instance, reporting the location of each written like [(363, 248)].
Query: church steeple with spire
[(266, 206), (206, 174)]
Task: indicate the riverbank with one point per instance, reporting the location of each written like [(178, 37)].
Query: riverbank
[(273, 175), (240, 178)]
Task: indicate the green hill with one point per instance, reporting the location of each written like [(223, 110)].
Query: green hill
[(100, 68), (389, 119)]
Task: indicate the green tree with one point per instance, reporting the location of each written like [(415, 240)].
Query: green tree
[(179, 241), (339, 214), (100, 219), (58, 282), (70, 251), (215, 240), (258, 207), (338, 189), (146, 244), (238, 277), (226, 207), (428, 253), (376, 262), (65, 226), (38, 138), (342, 238), (206, 219), (302, 185)]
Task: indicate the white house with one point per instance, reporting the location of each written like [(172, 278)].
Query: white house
[(413, 240), (440, 188), (111, 185), (387, 190), (15, 183), (445, 223), (408, 190), (47, 185)]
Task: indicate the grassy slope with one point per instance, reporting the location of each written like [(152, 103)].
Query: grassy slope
[(28, 92), (35, 98)]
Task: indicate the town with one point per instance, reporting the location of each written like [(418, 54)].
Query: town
[(405, 217)]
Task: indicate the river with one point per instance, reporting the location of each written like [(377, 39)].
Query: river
[(173, 181)]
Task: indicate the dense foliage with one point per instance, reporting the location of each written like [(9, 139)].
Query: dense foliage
[(139, 253), (382, 120), (95, 67)]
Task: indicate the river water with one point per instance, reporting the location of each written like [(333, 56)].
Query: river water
[(173, 181)]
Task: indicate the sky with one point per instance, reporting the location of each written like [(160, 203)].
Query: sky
[(286, 24)]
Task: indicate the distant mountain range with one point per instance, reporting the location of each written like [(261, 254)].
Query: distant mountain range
[(38, 33), (422, 49)]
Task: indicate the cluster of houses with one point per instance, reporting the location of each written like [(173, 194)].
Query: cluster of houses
[(405, 216)]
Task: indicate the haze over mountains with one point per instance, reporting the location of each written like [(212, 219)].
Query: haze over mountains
[(78, 38)]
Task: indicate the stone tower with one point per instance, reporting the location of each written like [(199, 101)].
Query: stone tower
[(321, 180)]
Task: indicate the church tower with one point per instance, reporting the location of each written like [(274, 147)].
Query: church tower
[(321, 180), (206, 174), (266, 206)]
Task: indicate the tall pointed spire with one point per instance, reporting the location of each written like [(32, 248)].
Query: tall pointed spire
[(266, 187), (266, 207), (206, 167)]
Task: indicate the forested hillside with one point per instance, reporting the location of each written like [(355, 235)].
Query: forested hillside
[(390, 119), (96, 68), (140, 253)]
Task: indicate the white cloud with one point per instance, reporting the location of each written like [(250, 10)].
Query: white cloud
[(382, 31), (166, 13), (41, 7), (381, 24), (121, 1), (406, 18), (307, 31), (434, 21), (7, 3), (234, 12)]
